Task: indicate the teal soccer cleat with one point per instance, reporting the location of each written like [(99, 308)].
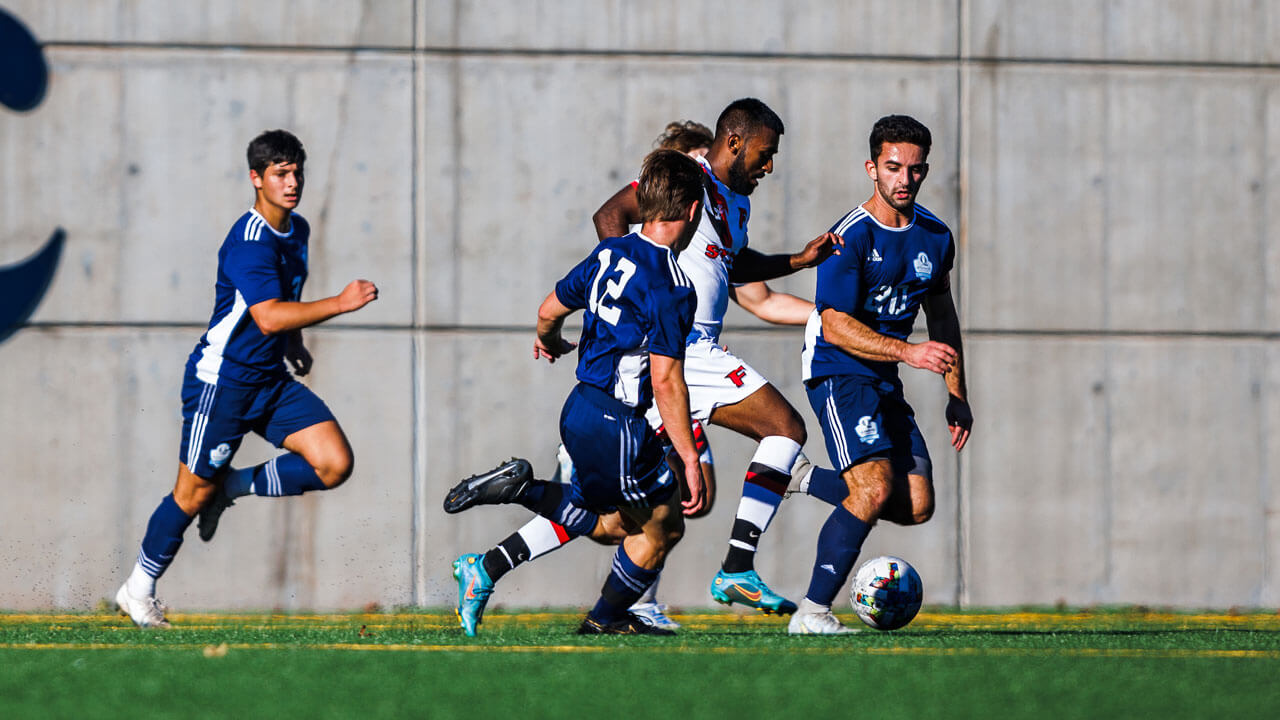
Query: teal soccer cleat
[(474, 589), (746, 588)]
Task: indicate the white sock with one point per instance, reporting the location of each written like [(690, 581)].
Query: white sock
[(809, 607), (140, 584)]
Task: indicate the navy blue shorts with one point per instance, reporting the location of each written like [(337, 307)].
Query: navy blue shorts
[(215, 418), (618, 459), (863, 418)]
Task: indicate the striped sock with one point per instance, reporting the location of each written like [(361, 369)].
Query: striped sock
[(538, 537), (762, 491), (159, 545), (626, 582), (285, 475)]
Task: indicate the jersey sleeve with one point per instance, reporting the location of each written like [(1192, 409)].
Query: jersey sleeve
[(671, 311), (839, 282), (572, 289), (251, 267), (943, 283)]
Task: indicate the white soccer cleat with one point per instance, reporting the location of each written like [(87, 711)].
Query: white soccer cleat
[(144, 612), (654, 614), (813, 619)]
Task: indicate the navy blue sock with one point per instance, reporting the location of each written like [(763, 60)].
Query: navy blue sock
[(839, 543), (551, 501), (164, 537), (827, 485), (625, 584), (283, 475)]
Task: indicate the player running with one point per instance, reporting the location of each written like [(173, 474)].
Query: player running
[(638, 309), (236, 379), (897, 258), (723, 389)]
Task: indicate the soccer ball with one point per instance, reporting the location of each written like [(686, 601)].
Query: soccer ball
[(887, 592)]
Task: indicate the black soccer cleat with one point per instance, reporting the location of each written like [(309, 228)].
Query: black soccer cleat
[(630, 625), (502, 484), (209, 515)]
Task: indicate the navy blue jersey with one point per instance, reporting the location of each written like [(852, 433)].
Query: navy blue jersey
[(637, 301), (880, 277), (255, 263)]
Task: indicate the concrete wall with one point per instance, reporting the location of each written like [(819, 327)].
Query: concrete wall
[(1108, 167)]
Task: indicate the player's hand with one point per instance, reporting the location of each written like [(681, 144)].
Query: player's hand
[(697, 487), (959, 422), (551, 349), (818, 249), (356, 295), (297, 355), (931, 355)]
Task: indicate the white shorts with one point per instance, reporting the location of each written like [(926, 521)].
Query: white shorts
[(715, 377)]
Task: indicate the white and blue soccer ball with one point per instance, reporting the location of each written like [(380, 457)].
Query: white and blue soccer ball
[(887, 592)]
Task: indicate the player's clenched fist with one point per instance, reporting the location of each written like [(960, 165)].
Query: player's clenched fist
[(356, 295)]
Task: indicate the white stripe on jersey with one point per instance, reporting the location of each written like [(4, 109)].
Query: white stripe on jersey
[(631, 366), (847, 221), (677, 275), (217, 336)]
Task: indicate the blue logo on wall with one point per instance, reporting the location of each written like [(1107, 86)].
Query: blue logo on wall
[(24, 78)]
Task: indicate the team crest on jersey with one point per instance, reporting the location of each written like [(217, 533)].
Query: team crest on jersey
[(220, 455), (924, 268), (868, 431)]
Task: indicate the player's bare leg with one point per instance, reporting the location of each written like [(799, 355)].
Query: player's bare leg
[(325, 448), (911, 502), (766, 416)]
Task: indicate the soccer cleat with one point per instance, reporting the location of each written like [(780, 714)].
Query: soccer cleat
[(502, 484), (629, 625), (748, 589), (474, 589), (816, 620), (654, 614), (144, 612), (207, 518)]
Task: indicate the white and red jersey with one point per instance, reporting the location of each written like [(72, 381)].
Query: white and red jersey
[(721, 235)]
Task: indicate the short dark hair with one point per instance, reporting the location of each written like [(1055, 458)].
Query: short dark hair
[(670, 182), (747, 116), (275, 146), (899, 129)]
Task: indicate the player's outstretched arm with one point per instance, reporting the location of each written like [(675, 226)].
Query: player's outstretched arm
[(752, 266), (854, 337), (280, 316), (671, 395), (617, 214), (944, 328), (778, 308), (549, 343)]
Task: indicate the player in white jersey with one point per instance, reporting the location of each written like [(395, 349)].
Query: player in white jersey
[(723, 389)]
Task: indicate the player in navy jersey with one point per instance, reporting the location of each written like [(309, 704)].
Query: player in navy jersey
[(638, 308), (236, 379), (897, 259), (723, 389)]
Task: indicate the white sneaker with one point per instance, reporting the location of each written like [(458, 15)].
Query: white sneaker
[(800, 471), (655, 615), (144, 612), (813, 619)]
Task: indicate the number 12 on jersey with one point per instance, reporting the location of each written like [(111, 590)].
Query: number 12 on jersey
[(597, 301)]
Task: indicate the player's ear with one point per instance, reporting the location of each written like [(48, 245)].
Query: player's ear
[(871, 169), (255, 178), (735, 143), (694, 209)]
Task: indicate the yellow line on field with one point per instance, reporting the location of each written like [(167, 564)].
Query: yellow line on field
[(835, 649)]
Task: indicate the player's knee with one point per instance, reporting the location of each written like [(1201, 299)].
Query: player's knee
[(335, 467), (922, 511)]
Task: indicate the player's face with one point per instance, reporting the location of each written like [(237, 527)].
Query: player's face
[(280, 184), (898, 174), (754, 160), (698, 152)]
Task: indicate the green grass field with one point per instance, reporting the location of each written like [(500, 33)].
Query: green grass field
[(1124, 663)]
